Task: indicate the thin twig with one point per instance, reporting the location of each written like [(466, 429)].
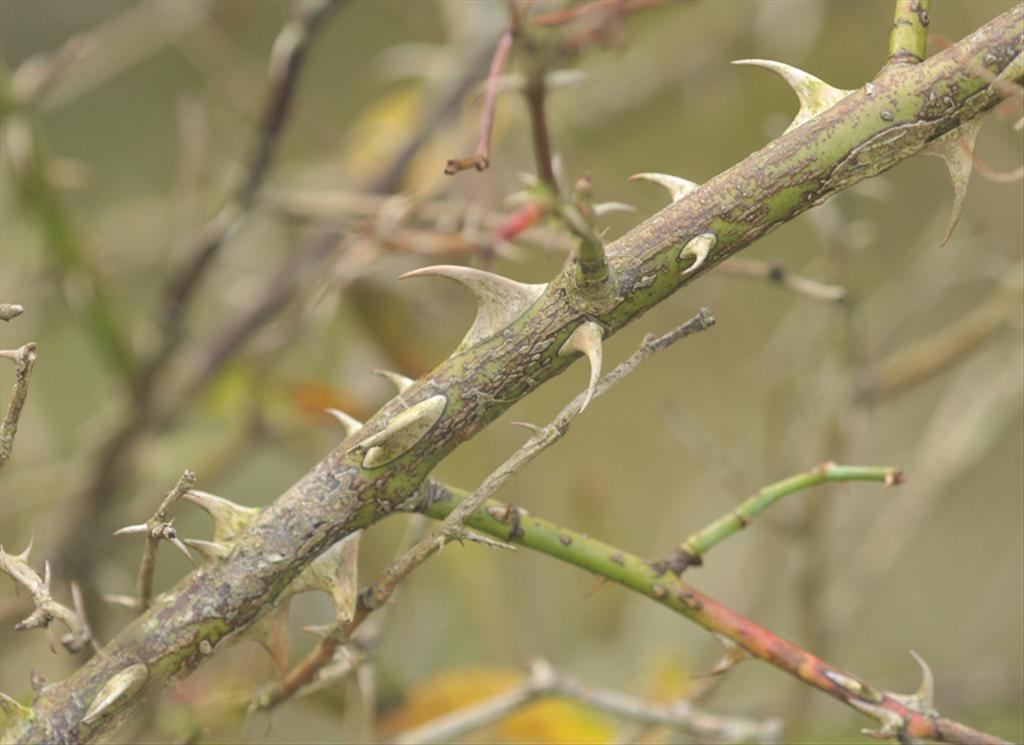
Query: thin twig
[(451, 527), (572, 13), (25, 359), (544, 682), (691, 551), (482, 158), (158, 528), (932, 355), (775, 272), (536, 96), (287, 60)]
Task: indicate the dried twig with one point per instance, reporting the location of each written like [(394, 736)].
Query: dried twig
[(544, 681), (775, 272), (156, 529), (934, 354), (46, 608), (25, 359)]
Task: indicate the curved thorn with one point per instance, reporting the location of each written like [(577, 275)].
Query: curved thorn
[(28, 549), (335, 572), (586, 339), (122, 685), (125, 601), (604, 208), (956, 149), (46, 575), (815, 95), (176, 542), (925, 693), (12, 708), (132, 529), (400, 382), (209, 550), (402, 433), (698, 248), (527, 426), (499, 300), (229, 519), (677, 187), (350, 423)]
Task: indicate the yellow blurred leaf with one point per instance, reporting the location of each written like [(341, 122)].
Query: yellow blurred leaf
[(548, 721)]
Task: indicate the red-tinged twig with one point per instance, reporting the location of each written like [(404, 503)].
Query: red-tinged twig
[(907, 717), (481, 159), (536, 103), (158, 528), (612, 7)]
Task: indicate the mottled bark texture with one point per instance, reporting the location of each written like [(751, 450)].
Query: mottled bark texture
[(868, 132)]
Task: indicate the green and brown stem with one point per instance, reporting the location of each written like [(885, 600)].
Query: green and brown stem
[(909, 33), (903, 715), (692, 550), (865, 134)]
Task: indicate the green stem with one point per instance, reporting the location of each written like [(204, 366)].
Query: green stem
[(591, 264), (510, 524), (699, 543), (909, 34)]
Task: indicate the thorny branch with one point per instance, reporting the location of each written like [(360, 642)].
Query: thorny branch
[(544, 681), (861, 135), (339, 652), (451, 527), (158, 528), (47, 609)]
